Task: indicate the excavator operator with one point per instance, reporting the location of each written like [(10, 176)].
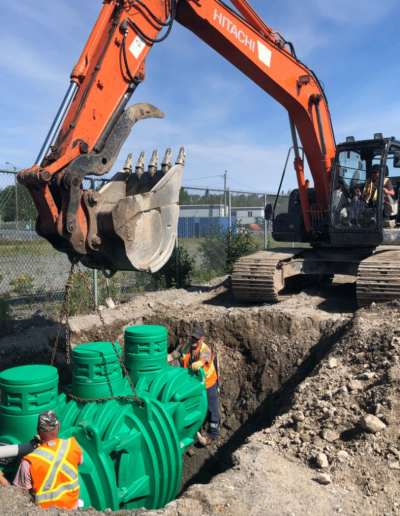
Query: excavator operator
[(370, 190), (361, 201)]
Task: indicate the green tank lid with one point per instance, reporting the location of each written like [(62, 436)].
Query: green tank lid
[(97, 371), (26, 391), (145, 330), (28, 375), (95, 349), (146, 351)]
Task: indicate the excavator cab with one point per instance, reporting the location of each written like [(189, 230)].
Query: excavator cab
[(365, 193)]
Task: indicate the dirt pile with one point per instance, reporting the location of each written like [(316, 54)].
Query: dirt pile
[(344, 418)]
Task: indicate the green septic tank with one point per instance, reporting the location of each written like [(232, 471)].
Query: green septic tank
[(132, 452), (26, 391)]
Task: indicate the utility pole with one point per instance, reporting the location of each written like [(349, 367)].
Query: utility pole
[(225, 214)]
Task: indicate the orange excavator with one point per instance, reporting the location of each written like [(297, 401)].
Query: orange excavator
[(131, 223)]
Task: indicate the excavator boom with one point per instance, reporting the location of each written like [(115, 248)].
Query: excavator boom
[(132, 223)]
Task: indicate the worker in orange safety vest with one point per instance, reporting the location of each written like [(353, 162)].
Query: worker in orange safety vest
[(196, 354), (50, 472)]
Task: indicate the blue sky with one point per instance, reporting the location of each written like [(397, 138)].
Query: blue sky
[(223, 119)]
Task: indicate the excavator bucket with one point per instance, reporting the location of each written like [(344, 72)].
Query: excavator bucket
[(130, 223), (133, 219)]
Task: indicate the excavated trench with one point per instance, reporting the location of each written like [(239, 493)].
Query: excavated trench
[(262, 357), (263, 354)]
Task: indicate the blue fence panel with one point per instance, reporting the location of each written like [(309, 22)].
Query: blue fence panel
[(187, 227), (192, 227)]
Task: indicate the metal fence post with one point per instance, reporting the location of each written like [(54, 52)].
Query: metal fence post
[(230, 223), (95, 285), (177, 258), (265, 225), (16, 197)]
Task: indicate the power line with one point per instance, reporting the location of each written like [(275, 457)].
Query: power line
[(201, 186), (230, 179), (200, 178)]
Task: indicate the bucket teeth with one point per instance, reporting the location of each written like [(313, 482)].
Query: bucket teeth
[(167, 161), (128, 163), (140, 165), (153, 163), (180, 160)]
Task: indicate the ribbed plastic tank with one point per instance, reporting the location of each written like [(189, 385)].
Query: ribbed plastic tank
[(97, 372), (146, 351), (26, 391), (132, 451)]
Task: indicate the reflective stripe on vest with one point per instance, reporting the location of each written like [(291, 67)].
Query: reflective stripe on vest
[(185, 348), (368, 188), (209, 370), (51, 488)]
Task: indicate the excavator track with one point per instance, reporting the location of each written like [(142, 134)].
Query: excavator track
[(378, 278), (258, 278)]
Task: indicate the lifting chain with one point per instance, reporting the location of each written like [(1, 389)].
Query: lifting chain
[(65, 312)]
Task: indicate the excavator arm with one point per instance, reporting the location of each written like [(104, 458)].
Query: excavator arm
[(131, 223)]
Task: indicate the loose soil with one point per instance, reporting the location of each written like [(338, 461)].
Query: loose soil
[(273, 365)]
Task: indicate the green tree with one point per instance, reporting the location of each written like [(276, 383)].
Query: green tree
[(184, 197), (239, 242), (214, 250), (222, 248), (19, 207)]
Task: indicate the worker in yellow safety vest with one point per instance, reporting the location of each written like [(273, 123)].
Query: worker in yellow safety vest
[(50, 472), (196, 354), (370, 190), (3, 480)]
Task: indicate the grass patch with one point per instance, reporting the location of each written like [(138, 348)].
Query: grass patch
[(16, 248)]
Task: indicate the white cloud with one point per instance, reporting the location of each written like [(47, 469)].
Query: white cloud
[(355, 13), (18, 57), (58, 17)]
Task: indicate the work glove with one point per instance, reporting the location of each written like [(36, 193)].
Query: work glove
[(35, 442), (196, 365)]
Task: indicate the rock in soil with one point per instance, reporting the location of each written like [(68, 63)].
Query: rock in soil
[(372, 424), (324, 479), (321, 460)]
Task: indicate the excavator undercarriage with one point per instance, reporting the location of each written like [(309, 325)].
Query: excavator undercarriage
[(264, 276)]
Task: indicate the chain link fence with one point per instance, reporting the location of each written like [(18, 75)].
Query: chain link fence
[(218, 226), (214, 226), (33, 274)]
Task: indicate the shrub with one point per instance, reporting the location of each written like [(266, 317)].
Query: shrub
[(241, 242), (80, 300), (222, 248), (166, 276)]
